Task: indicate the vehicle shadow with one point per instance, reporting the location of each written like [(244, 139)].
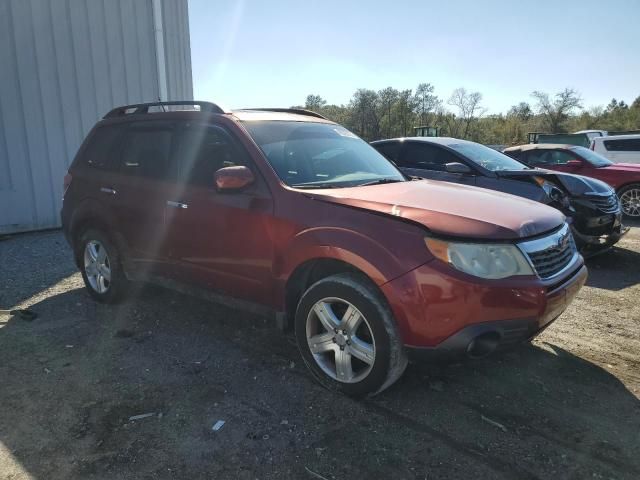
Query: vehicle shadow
[(72, 379), (615, 269), (30, 263)]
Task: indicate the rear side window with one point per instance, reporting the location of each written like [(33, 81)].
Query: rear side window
[(426, 157), (623, 145), (549, 157), (102, 147), (146, 150), (203, 149), (390, 150)]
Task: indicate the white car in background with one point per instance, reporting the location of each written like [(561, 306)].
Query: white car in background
[(591, 134), (618, 148)]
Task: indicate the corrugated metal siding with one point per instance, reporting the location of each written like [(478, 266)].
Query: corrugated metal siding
[(65, 63)]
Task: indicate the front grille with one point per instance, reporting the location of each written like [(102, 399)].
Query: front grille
[(551, 254), (607, 204)]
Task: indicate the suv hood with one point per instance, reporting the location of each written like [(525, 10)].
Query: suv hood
[(451, 210), (624, 167), (576, 185)]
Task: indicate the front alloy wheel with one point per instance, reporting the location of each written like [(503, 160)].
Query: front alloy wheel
[(347, 335), (340, 340), (630, 201)]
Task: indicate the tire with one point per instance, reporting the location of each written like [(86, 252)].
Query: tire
[(350, 321), (107, 265), (629, 196)]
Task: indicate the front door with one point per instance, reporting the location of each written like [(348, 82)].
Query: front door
[(221, 240), (428, 161)]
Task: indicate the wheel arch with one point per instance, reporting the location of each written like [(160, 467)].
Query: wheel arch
[(309, 272)]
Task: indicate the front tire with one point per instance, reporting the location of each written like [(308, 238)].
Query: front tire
[(347, 336), (101, 268), (630, 200)]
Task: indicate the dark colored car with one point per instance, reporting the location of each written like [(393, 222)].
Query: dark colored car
[(291, 212), (623, 177), (591, 205)]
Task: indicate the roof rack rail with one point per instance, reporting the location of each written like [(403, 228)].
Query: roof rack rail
[(298, 111), (144, 107)]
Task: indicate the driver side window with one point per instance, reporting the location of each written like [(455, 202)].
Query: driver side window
[(561, 158), (204, 149), (426, 157)]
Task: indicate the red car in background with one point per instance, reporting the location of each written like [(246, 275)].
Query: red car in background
[(623, 177)]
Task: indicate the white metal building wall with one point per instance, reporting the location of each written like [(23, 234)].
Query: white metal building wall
[(63, 65)]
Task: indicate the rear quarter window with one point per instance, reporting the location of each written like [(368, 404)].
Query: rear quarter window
[(623, 145), (101, 147)]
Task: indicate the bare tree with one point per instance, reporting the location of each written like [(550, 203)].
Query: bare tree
[(557, 111), (469, 108)]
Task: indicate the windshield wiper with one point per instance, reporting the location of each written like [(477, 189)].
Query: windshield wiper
[(379, 182), (310, 186)]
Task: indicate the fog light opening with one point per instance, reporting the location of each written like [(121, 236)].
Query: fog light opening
[(483, 345)]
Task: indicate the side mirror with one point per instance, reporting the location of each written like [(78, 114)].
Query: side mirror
[(457, 167), (230, 179), (574, 163)]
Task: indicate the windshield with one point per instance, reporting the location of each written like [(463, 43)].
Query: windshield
[(309, 155), (487, 157), (592, 157)]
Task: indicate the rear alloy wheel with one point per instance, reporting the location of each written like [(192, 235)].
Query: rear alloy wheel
[(347, 335), (630, 200), (99, 262), (97, 266)]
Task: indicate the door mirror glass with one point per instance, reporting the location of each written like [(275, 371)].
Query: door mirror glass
[(457, 167), (230, 179)]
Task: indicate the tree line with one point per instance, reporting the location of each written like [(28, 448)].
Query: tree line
[(389, 113)]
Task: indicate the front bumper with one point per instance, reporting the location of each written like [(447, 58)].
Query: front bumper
[(591, 244), (439, 311)]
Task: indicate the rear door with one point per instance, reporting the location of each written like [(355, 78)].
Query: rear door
[(142, 180), (428, 161), (219, 240)]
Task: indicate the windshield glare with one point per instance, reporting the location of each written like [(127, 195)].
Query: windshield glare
[(592, 157), (487, 157), (319, 154)]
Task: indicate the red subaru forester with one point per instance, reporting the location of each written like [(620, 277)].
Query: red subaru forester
[(288, 210)]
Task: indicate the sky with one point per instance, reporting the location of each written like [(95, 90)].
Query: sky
[(273, 53)]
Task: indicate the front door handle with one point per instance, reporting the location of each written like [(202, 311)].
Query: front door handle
[(176, 204), (108, 190)]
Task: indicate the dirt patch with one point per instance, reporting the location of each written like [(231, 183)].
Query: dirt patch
[(566, 407)]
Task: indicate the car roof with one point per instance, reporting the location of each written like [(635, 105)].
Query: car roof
[(437, 140), (249, 115), (540, 146), (633, 136)]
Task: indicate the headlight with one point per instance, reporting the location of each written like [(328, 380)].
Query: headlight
[(491, 261)]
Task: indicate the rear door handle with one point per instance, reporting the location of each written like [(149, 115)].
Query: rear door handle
[(108, 190), (176, 204)]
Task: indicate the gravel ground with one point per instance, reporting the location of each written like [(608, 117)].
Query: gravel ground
[(565, 407)]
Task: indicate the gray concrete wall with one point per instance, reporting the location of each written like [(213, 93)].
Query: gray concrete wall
[(63, 65)]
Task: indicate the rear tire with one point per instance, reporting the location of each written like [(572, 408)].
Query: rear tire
[(629, 196), (347, 336), (101, 267)]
